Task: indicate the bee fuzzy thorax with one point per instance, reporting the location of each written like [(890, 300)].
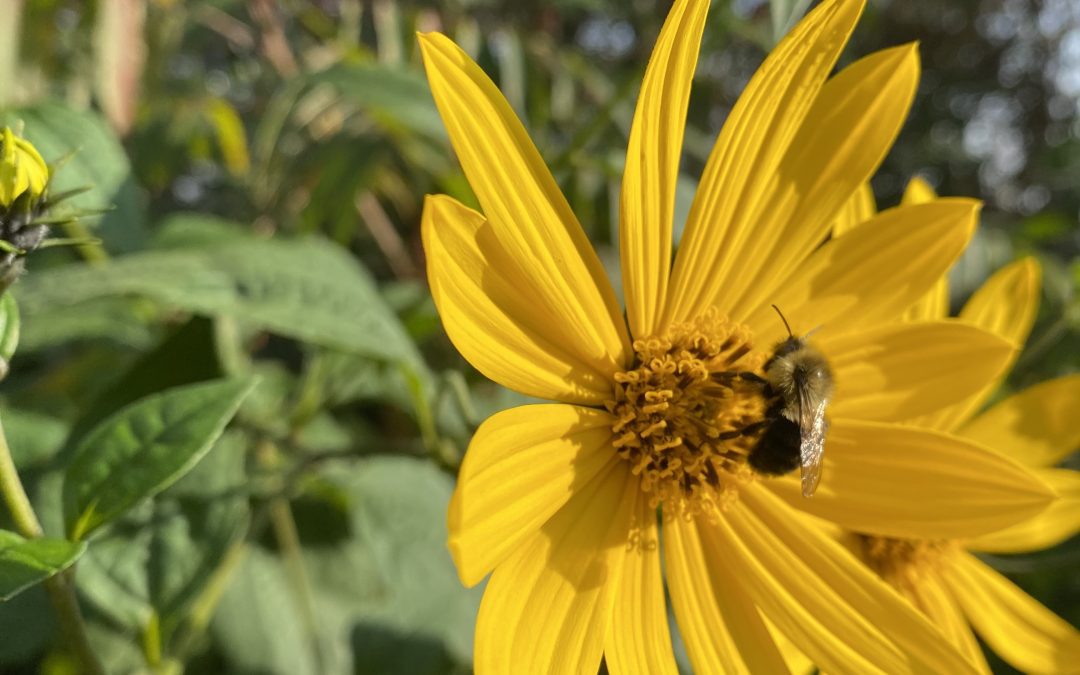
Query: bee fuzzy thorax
[(793, 363)]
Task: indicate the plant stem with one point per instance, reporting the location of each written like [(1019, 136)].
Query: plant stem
[(60, 589)]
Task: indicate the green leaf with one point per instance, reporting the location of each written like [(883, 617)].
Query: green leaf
[(159, 556), (34, 437), (28, 624), (191, 344), (144, 448), (99, 162), (307, 289), (25, 562), (399, 579), (397, 98), (257, 624), (114, 319)]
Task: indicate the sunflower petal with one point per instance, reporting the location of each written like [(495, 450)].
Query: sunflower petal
[(529, 216), (935, 303), (1005, 305), (829, 604), (1007, 302), (751, 146), (901, 481), (797, 662), (897, 371), (522, 465), (846, 135), (497, 326), (1013, 624), (858, 209), (872, 273), (918, 191), (638, 639), (1060, 521), (652, 165), (721, 627), (547, 607), (936, 602), (1037, 427)]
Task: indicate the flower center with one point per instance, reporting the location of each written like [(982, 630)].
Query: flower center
[(902, 562), (686, 417)]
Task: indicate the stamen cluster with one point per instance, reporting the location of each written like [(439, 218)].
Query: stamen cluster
[(681, 411)]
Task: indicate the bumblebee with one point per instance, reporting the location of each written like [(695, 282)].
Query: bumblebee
[(798, 385)]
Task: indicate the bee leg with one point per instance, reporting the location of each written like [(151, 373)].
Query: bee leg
[(748, 430), (745, 375)]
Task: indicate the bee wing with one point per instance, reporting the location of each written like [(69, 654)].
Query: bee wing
[(812, 428)]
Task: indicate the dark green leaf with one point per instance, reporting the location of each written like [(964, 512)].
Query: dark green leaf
[(25, 562), (144, 448), (27, 623), (192, 345)]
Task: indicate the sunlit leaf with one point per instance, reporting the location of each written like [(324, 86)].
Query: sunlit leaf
[(25, 562), (144, 448), (307, 289)]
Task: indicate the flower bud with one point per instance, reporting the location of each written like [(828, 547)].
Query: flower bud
[(22, 170)]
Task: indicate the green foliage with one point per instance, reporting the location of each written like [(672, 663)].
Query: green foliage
[(144, 448), (262, 176), (24, 562)]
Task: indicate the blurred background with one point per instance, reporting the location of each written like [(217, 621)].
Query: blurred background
[(312, 538)]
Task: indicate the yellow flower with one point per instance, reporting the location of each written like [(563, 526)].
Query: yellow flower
[(1037, 427), (22, 170), (559, 502)]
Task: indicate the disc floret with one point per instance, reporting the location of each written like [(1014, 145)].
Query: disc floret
[(682, 409)]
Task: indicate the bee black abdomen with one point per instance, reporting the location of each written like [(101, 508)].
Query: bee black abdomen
[(777, 451)]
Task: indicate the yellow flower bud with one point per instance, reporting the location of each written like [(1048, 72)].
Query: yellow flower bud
[(22, 169)]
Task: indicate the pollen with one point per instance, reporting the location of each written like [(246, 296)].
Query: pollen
[(903, 562), (685, 411)]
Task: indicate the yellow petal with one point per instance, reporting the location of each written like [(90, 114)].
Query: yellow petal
[(748, 153), (522, 465), (1037, 427), (935, 304), (897, 371), (1059, 522), (638, 639), (504, 329), (652, 165), (858, 209), (901, 481), (937, 603), (918, 191), (1023, 632), (546, 609), (838, 612), (1005, 305), (846, 135), (1007, 302), (872, 273), (719, 624), (797, 662), (528, 215)]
